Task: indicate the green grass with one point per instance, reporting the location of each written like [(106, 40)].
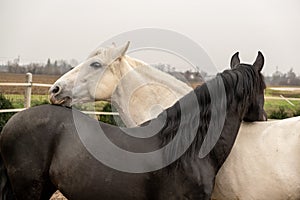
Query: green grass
[(273, 105), (17, 101), (280, 107)]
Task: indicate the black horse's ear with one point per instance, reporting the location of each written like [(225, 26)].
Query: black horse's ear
[(259, 62), (235, 61)]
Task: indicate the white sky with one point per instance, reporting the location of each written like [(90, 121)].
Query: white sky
[(66, 29)]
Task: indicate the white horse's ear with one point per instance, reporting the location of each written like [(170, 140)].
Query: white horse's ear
[(122, 49), (119, 51)]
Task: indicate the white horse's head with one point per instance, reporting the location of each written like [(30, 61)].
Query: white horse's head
[(94, 79), (138, 91)]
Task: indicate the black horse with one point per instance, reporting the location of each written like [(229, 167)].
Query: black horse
[(50, 147)]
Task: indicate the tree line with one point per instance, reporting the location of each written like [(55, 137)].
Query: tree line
[(56, 67), (59, 67)]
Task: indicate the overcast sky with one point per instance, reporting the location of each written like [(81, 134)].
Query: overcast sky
[(66, 29)]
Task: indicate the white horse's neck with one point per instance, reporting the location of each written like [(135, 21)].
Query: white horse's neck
[(143, 91)]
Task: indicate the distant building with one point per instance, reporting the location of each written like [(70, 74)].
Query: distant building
[(193, 78)]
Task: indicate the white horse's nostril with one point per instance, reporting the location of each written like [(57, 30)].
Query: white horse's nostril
[(55, 90)]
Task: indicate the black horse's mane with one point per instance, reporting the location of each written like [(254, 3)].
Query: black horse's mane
[(241, 85)]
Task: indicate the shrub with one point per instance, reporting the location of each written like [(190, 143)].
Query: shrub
[(296, 113), (39, 102), (279, 114), (4, 117), (110, 119)]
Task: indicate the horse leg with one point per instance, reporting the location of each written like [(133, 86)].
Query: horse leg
[(182, 185), (205, 181), (31, 187), (48, 190), (200, 193)]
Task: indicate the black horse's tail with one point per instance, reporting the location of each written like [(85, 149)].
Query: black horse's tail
[(6, 192)]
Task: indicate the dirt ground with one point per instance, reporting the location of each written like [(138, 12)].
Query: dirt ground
[(58, 196), (20, 78)]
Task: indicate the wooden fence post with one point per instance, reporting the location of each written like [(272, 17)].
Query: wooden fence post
[(28, 90)]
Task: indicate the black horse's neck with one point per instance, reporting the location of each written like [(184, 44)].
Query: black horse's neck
[(241, 87), (193, 122)]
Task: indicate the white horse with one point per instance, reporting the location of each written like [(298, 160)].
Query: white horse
[(137, 89)]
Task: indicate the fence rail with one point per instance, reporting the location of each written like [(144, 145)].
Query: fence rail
[(29, 84), (12, 110), (26, 84), (27, 97)]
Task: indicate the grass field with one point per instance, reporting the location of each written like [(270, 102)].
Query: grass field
[(36, 99), (274, 105), (271, 105), (17, 100), (40, 95)]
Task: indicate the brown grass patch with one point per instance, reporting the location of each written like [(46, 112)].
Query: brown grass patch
[(21, 78)]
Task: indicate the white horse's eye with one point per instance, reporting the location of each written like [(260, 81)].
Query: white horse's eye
[(95, 64)]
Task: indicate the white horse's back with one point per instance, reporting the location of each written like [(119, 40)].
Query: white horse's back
[(263, 164)]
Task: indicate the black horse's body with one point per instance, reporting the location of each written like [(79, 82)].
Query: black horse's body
[(42, 150), (57, 156)]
